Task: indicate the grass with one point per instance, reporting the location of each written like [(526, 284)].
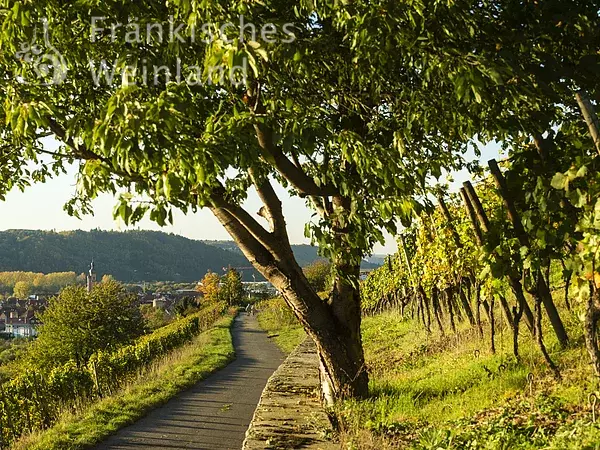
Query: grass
[(279, 322), (450, 392), (210, 351)]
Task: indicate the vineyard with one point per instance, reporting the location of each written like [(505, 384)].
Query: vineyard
[(34, 400), (506, 266), (500, 239)]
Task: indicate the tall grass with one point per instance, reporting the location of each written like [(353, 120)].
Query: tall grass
[(423, 385)]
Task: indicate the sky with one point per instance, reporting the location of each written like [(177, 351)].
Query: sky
[(40, 207)]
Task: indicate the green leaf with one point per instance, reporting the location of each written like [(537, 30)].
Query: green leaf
[(560, 181)]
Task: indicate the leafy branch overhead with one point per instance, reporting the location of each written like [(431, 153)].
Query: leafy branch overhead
[(357, 107)]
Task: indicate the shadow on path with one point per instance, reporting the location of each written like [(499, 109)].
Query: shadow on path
[(215, 413)]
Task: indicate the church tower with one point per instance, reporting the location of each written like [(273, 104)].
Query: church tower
[(91, 277)]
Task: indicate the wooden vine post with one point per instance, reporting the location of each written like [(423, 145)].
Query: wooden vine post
[(542, 287), (426, 309), (477, 213), (492, 327), (508, 316), (449, 219), (435, 301), (480, 241), (538, 325), (592, 315), (449, 292), (517, 314)]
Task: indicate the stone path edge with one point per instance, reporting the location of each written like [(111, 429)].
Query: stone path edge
[(289, 414)]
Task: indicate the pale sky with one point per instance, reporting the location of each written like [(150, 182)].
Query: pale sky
[(41, 207)]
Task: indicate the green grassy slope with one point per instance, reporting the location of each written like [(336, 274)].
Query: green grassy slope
[(182, 369), (450, 392)]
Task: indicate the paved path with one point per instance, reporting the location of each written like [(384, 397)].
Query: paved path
[(216, 412)]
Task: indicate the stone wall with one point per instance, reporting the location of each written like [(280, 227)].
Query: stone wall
[(289, 414)]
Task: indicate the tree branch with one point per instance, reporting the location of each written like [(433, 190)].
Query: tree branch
[(273, 205), (264, 237), (81, 152), (295, 175), (256, 253), (60, 155)]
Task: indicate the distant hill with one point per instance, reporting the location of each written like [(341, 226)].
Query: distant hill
[(305, 254), (378, 260), (129, 256)]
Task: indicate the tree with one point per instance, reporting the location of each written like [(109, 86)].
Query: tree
[(232, 290), (210, 287), (22, 289), (353, 106), (318, 275), (154, 317), (77, 324), (106, 278)]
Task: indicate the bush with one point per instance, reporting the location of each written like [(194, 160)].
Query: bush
[(319, 275), (154, 317), (277, 311)]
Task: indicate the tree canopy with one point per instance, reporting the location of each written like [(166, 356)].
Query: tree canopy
[(77, 324), (355, 106)]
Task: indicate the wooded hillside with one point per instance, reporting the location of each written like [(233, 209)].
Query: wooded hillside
[(305, 254), (128, 256)]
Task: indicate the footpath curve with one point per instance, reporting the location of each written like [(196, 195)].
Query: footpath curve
[(215, 413)]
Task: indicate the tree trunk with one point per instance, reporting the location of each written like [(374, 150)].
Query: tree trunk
[(346, 309), (334, 326), (338, 339), (592, 315)]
